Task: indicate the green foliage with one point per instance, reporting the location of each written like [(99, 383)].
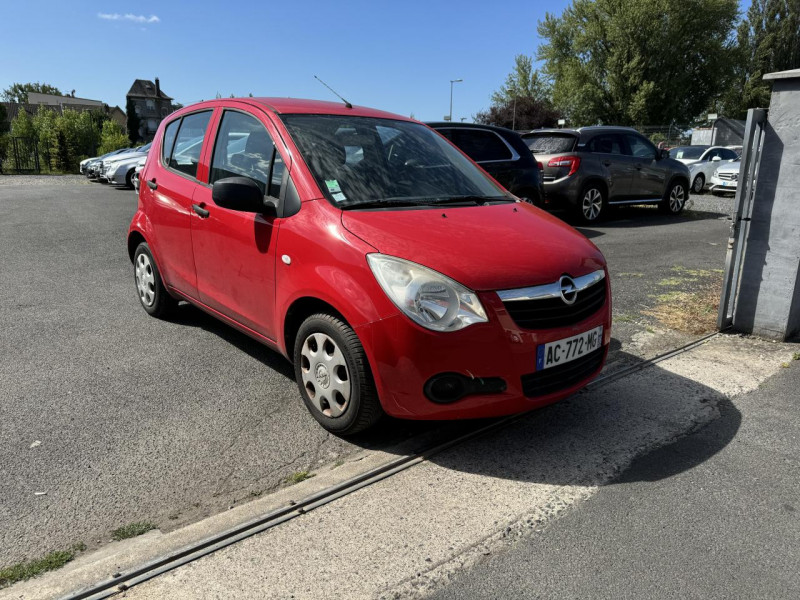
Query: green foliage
[(132, 530), (133, 123), (22, 125), (768, 40), (638, 62), (18, 92), (25, 570), (658, 137), (112, 137), (4, 126), (523, 82)]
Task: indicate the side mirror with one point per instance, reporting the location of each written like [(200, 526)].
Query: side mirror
[(716, 159), (663, 153), (242, 194)]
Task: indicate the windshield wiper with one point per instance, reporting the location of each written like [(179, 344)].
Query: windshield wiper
[(382, 203), (480, 200)]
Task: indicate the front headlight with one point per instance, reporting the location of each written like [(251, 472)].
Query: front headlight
[(425, 296)]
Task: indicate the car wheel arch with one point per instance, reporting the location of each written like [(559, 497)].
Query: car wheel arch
[(135, 238), (299, 310)]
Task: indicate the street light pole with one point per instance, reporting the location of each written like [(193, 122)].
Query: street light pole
[(452, 81)]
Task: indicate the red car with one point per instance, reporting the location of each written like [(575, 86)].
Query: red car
[(394, 273)]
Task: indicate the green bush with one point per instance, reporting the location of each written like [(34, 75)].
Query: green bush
[(112, 137)]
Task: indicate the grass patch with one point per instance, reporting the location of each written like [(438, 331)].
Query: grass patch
[(132, 530), (785, 365), (623, 318), (670, 281), (28, 569), (691, 312), (298, 477), (338, 463), (796, 356)]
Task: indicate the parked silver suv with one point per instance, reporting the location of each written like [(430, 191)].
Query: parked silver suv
[(590, 168)]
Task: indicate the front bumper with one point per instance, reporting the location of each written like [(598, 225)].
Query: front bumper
[(405, 356), (718, 185)]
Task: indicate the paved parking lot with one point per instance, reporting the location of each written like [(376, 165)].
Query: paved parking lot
[(110, 416)]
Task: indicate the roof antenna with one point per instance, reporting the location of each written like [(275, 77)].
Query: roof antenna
[(346, 103)]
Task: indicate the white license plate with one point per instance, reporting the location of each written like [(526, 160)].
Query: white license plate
[(563, 351)]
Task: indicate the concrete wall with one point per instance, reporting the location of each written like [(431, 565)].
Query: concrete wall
[(768, 303)]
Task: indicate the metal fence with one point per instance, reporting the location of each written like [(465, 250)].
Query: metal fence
[(671, 135), (25, 156)]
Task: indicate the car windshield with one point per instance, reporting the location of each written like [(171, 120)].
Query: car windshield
[(549, 143), (145, 148), (692, 152), (360, 161)]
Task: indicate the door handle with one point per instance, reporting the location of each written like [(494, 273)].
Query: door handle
[(200, 211), (151, 183)]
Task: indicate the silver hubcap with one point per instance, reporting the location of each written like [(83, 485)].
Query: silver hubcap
[(676, 198), (145, 280), (698, 184), (325, 375), (592, 204)]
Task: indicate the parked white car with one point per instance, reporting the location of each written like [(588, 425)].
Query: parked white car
[(725, 179), (702, 162), (136, 171), (118, 169)]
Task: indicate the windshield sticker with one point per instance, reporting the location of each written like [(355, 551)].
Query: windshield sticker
[(333, 186), (339, 197)]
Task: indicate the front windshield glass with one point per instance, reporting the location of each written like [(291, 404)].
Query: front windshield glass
[(363, 160), (692, 152)]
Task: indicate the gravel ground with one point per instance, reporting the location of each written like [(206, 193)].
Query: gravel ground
[(43, 180)]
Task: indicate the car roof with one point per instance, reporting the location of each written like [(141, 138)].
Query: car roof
[(441, 124), (299, 106)]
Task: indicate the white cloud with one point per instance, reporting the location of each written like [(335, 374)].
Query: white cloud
[(128, 17)]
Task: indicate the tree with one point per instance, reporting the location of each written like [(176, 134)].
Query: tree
[(18, 92), (768, 40), (638, 62), (133, 123), (112, 137), (4, 126), (22, 126), (524, 81), (523, 113)]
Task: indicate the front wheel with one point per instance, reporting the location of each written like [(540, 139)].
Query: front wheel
[(675, 199), (334, 377), (590, 204), (698, 184)]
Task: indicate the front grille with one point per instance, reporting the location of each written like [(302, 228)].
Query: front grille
[(728, 176), (563, 376), (547, 313)]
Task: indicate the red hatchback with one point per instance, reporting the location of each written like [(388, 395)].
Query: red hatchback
[(396, 274)]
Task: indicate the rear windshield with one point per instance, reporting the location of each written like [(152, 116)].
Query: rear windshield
[(549, 143)]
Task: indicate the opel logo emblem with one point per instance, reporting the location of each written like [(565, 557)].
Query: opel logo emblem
[(569, 292)]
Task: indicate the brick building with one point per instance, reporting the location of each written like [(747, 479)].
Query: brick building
[(151, 105)]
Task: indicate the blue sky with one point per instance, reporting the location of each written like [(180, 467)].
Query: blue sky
[(398, 57)]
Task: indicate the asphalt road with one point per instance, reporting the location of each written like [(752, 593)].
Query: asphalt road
[(110, 417), (712, 515)]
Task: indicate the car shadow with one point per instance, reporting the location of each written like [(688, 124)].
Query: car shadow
[(572, 441), (593, 437)]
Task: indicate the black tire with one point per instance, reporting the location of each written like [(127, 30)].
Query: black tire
[(675, 199), (129, 179), (362, 409), (591, 203), (153, 296), (698, 184)]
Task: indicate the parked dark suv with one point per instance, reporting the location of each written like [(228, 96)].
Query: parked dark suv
[(590, 168), (500, 152)]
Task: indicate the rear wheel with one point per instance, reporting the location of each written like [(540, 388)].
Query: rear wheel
[(154, 297), (675, 198), (590, 203), (698, 184), (334, 377)]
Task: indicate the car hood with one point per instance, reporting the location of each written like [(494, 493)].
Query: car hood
[(730, 167), (124, 156), (492, 247)]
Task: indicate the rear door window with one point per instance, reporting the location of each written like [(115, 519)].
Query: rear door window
[(189, 142), (607, 143), (169, 140), (550, 143), (480, 145)]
